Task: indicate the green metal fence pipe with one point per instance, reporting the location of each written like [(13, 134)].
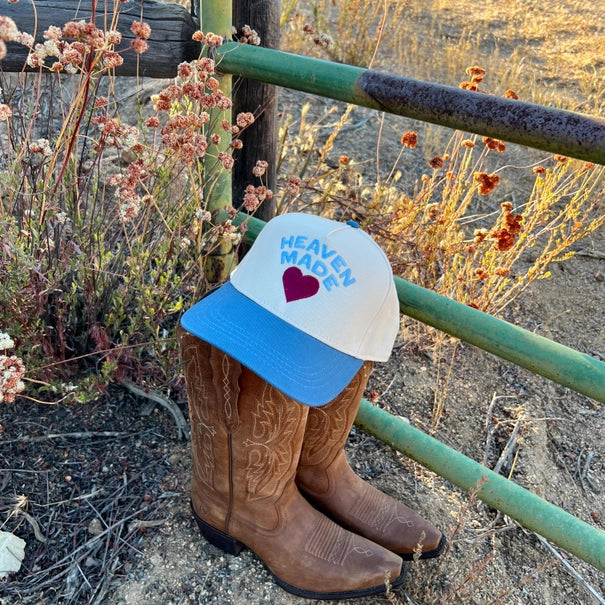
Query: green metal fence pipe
[(550, 359), (540, 355), (546, 128), (572, 534)]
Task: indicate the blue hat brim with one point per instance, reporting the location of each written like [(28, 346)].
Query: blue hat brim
[(295, 363)]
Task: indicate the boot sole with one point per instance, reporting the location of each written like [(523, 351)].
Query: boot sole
[(233, 546), (218, 538)]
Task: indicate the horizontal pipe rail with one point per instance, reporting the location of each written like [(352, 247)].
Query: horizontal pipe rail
[(546, 128), (540, 355), (561, 528)]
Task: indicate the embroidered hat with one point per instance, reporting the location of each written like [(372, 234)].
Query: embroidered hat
[(311, 300)]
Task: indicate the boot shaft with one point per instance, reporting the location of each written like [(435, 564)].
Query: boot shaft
[(246, 438), (328, 426)]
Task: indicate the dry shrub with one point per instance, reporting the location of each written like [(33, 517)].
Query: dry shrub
[(104, 226)]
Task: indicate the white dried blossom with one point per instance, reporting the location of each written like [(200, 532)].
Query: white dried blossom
[(12, 370), (6, 342), (203, 215), (51, 48), (8, 29), (41, 146)]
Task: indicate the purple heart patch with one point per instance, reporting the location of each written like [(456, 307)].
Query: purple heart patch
[(297, 285)]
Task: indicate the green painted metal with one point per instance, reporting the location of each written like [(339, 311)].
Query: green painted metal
[(572, 534), (546, 128), (216, 17), (550, 359)]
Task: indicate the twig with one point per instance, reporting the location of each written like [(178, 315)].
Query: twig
[(488, 424), (141, 524), (359, 124), (80, 435), (92, 540), (590, 254), (571, 570), (508, 449), (168, 404), (583, 472), (35, 526), (81, 497)]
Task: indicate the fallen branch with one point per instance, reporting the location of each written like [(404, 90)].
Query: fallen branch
[(591, 254), (168, 404), (571, 570), (142, 524), (79, 435), (509, 448)]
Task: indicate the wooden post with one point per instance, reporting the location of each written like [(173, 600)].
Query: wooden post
[(171, 29), (260, 139)]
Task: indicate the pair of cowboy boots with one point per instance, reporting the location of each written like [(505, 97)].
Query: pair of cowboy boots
[(256, 452)]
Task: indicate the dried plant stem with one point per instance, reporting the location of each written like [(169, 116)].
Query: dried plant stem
[(594, 593)]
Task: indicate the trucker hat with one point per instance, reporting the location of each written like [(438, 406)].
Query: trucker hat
[(311, 300)]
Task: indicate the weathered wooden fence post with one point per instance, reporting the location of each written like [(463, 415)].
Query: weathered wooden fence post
[(260, 139), (171, 41)]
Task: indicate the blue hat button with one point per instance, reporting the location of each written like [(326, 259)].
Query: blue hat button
[(353, 224)]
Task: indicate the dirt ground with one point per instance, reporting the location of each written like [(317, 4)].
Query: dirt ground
[(107, 517)]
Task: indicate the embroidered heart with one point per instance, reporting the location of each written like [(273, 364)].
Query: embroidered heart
[(297, 285)]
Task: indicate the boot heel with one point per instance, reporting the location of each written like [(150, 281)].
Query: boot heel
[(218, 538)]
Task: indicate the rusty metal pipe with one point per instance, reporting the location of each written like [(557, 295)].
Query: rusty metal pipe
[(546, 128)]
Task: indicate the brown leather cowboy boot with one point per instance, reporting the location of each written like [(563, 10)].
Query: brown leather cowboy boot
[(326, 479), (246, 440)]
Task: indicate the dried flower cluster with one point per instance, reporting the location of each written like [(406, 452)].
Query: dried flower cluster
[(90, 46), (409, 139), (494, 144), (10, 33), (506, 236), (487, 182), (254, 196), (246, 35), (477, 74), (321, 40), (12, 371)]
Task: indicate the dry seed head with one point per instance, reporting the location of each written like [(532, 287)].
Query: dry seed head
[(494, 144), (141, 30), (139, 46), (6, 342), (436, 162), (486, 182), (475, 71), (8, 29), (244, 119), (510, 94), (184, 70), (5, 112), (409, 139)]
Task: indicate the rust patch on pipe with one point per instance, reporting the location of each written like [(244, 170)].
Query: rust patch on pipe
[(546, 128)]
